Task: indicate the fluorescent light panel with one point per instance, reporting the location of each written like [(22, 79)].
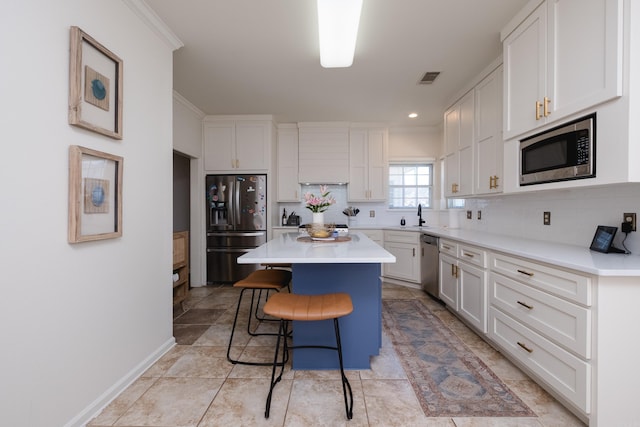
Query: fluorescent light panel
[(338, 22)]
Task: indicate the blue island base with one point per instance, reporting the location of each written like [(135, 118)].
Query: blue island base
[(361, 331)]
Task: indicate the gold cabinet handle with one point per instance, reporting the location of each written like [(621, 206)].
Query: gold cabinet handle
[(469, 255), (530, 307), (452, 270), (457, 270), (495, 181), (414, 252), (454, 188), (490, 182), (529, 350), (525, 273), (546, 106), (446, 247), (538, 105)]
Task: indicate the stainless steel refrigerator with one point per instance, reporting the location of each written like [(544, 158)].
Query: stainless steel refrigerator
[(236, 222)]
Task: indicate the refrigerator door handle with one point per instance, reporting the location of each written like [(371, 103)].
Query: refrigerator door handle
[(237, 234), (236, 205)]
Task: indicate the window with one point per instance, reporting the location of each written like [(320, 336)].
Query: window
[(410, 184)]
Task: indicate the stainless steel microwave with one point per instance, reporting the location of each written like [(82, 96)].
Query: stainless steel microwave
[(559, 154)]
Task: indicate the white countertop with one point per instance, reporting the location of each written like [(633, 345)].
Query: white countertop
[(563, 255), (287, 249)]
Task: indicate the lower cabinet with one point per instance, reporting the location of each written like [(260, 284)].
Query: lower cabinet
[(541, 316), (463, 279), (405, 246), (180, 266)]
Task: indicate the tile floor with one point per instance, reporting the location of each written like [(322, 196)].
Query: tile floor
[(194, 384)]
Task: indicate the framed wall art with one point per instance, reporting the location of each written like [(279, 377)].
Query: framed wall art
[(95, 195), (95, 86)]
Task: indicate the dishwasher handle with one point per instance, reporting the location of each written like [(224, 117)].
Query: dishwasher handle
[(429, 240)]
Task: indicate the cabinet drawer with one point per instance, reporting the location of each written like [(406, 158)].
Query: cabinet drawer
[(565, 373), (472, 255), (565, 284), (448, 247), (401, 236), (567, 324)]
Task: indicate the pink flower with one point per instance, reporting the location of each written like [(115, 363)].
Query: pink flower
[(319, 203)]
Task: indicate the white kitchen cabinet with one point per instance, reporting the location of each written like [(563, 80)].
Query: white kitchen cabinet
[(375, 234), (459, 137), (287, 163), (541, 316), (489, 146), (563, 58), (368, 164), (237, 145), (463, 279), (323, 153), (405, 246)]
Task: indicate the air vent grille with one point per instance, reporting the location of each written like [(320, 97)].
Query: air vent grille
[(429, 77)]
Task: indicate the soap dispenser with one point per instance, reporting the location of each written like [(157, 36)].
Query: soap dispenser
[(403, 222)]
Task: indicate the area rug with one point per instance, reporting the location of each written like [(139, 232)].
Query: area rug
[(448, 379)]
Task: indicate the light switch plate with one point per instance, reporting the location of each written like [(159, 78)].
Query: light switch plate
[(546, 218)]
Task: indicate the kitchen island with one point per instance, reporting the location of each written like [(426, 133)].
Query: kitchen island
[(351, 266)]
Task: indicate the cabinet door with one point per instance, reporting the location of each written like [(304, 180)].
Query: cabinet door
[(451, 161), (473, 295), (378, 164), (358, 165), (323, 154), (583, 54), (467, 122), (288, 186), (219, 150), (407, 265), (488, 136), (449, 281), (524, 53), (252, 142)]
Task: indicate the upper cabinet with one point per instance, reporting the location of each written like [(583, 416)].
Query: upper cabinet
[(368, 164), (489, 146), (323, 156), (237, 145), (458, 137), (564, 57), (287, 158)]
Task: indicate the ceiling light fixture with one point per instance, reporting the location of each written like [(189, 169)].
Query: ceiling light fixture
[(413, 115), (338, 22)]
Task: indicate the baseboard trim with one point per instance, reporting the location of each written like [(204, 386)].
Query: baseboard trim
[(112, 392)]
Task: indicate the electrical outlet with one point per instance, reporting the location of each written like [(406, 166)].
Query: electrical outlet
[(630, 218), (372, 214), (546, 218), (479, 214), (469, 213)]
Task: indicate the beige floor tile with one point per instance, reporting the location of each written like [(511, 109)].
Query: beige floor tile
[(392, 403), (201, 362), (172, 402), (124, 401), (241, 402), (166, 361), (321, 403), (497, 422)]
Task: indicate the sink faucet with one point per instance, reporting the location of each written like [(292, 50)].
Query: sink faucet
[(420, 220)]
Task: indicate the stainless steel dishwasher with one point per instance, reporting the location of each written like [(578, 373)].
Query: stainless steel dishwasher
[(430, 264)]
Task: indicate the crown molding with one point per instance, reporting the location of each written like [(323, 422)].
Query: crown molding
[(153, 21)]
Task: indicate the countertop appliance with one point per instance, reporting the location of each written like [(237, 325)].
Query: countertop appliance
[(559, 154), (236, 222), (430, 264)]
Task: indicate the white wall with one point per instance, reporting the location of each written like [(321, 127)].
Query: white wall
[(575, 214), (79, 321)]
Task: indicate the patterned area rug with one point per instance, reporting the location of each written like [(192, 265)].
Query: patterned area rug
[(447, 377)]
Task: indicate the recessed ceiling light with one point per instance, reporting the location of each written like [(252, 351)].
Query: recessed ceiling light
[(413, 115)]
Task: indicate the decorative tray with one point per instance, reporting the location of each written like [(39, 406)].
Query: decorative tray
[(309, 239)]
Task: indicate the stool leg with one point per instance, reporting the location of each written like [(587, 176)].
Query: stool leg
[(345, 382), (282, 333), (233, 328)]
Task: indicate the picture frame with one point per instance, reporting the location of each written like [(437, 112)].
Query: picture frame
[(95, 195), (95, 86)]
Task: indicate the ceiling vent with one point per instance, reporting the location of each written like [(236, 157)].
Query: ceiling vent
[(429, 77)]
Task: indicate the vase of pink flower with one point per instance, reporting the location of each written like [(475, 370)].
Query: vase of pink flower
[(319, 204)]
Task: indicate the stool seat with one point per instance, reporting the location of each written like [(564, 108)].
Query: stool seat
[(265, 279), (309, 307)]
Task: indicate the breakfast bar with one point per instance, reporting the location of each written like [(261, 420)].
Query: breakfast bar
[(348, 264)]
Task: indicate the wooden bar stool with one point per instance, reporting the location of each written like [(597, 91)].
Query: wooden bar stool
[(288, 307), (270, 279)]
